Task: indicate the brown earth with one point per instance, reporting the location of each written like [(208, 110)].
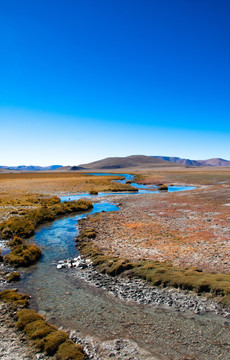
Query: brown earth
[(189, 229)]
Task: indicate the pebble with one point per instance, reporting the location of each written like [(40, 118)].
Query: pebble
[(141, 292)]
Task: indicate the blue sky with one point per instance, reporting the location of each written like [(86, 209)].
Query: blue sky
[(84, 80)]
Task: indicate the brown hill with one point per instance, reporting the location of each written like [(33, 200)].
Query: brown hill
[(216, 162), (133, 161)]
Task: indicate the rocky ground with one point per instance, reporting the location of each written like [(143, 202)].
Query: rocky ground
[(137, 290), (13, 344)]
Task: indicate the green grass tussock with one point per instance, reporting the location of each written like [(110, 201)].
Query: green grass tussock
[(24, 226), (52, 341), (15, 241), (93, 192), (27, 316), (70, 351), (23, 255), (117, 187), (159, 273), (88, 233), (15, 298), (47, 337), (38, 329)]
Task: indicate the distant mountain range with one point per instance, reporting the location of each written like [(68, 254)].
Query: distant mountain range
[(30, 168), (188, 162), (133, 161)]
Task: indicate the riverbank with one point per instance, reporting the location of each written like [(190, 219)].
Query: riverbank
[(139, 291)]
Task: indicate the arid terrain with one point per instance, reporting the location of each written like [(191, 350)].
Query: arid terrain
[(189, 230)]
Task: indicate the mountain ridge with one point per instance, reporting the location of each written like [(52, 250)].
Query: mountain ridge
[(132, 161), (30, 167), (189, 162)]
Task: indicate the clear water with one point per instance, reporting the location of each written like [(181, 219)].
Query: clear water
[(142, 189)]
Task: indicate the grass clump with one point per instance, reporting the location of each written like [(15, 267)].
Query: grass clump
[(38, 329), (70, 351), (47, 337), (15, 241), (24, 226), (88, 233), (1, 257), (93, 192), (27, 316), (111, 265), (16, 226), (52, 341), (165, 274), (163, 187), (117, 187), (13, 276), (23, 255), (15, 298)]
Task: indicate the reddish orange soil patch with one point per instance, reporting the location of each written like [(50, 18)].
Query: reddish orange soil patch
[(190, 229)]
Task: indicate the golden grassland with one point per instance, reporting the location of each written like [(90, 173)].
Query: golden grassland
[(196, 176), (24, 191), (23, 226), (21, 184)]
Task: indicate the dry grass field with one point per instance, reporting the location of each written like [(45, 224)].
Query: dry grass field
[(187, 228), (22, 191)]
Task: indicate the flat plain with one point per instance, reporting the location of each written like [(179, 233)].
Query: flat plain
[(189, 230)]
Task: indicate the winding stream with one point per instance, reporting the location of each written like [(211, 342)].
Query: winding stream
[(73, 303)]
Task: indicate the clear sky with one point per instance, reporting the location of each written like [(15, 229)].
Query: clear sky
[(84, 80)]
